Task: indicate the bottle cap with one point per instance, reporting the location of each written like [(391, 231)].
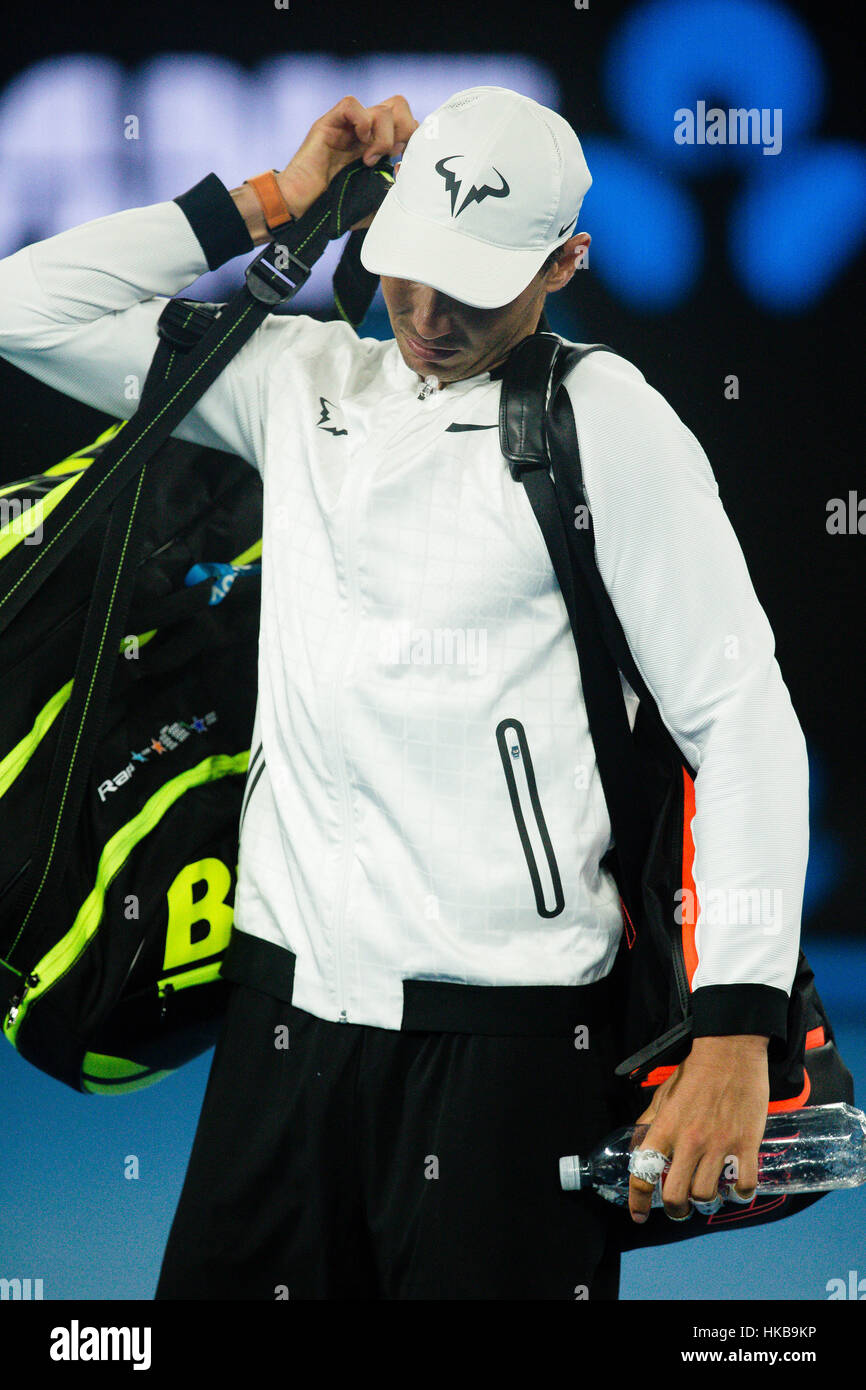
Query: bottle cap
[(569, 1173)]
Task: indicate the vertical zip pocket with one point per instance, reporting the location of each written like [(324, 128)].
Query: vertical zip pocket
[(531, 827)]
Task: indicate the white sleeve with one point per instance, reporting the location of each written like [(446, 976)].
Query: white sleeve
[(78, 311), (675, 571)]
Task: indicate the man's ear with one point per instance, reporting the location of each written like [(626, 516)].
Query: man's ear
[(570, 257)]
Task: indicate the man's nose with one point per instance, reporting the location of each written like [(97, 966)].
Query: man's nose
[(430, 316)]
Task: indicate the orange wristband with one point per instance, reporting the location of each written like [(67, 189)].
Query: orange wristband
[(267, 190)]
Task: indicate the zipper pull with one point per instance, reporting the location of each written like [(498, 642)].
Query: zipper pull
[(164, 993), (431, 384), (17, 999)]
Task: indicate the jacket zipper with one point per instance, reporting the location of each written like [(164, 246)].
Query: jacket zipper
[(355, 481)]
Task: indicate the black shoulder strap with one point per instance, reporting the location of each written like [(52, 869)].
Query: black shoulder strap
[(564, 453), (529, 372)]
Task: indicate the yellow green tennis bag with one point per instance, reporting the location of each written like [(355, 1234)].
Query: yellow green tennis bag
[(113, 981)]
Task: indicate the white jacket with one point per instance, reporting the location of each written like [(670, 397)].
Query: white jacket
[(417, 669)]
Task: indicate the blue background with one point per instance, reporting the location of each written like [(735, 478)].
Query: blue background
[(71, 1218)]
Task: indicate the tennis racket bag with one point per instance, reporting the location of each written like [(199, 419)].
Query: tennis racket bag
[(114, 981), (649, 790)]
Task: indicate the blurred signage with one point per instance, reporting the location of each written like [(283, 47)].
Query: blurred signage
[(82, 136)]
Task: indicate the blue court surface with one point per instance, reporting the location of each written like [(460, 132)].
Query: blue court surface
[(69, 1216)]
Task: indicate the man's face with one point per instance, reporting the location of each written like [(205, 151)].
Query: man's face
[(451, 340)]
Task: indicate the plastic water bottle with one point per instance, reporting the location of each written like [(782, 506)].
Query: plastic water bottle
[(810, 1150)]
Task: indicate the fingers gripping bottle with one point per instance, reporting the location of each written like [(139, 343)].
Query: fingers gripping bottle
[(811, 1150)]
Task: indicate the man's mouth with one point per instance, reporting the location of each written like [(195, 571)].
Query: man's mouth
[(426, 353)]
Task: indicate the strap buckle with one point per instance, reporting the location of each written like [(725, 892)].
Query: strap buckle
[(274, 284), (517, 467), (183, 321)]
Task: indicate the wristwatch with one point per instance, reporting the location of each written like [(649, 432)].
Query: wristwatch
[(267, 190)]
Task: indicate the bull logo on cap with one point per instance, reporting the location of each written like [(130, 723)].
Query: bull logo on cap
[(475, 194)]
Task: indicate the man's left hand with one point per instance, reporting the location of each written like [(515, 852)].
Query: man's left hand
[(713, 1107)]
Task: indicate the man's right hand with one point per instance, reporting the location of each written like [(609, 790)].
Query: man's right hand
[(347, 132)]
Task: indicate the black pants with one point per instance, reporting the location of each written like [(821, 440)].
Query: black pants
[(361, 1163)]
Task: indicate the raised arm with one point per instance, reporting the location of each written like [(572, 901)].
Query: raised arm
[(79, 310)]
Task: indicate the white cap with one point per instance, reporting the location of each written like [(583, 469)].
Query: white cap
[(489, 184)]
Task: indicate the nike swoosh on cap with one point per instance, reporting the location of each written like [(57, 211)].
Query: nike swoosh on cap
[(454, 428)]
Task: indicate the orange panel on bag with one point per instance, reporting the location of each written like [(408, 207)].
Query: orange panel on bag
[(795, 1102), (657, 1076), (690, 952)]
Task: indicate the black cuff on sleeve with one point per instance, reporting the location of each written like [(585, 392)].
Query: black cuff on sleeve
[(213, 215), (722, 1010)]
